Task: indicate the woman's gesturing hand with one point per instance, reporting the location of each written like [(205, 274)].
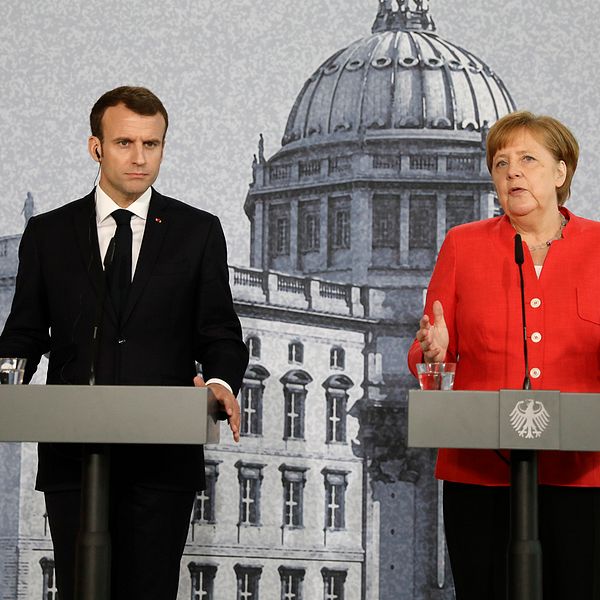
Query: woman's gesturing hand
[(433, 338)]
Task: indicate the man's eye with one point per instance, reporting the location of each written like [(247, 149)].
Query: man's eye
[(123, 142)]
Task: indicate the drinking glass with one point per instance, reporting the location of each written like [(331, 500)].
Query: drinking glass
[(436, 375), (12, 370)]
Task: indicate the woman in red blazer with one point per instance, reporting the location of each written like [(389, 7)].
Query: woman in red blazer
[(473, 317)]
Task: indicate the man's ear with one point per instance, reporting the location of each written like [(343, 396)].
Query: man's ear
[(95, 148)]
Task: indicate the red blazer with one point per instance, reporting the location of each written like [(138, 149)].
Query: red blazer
[(477, 281)]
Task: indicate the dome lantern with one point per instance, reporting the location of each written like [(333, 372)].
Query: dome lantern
[(397, 15)]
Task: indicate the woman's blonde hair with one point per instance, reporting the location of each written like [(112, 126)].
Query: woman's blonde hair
[(556, 137)]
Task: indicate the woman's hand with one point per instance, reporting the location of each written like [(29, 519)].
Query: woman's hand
[(434, 338)]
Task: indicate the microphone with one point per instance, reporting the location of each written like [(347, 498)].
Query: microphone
[(520, 259)]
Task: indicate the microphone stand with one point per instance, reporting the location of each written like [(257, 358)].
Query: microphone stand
[(93, 552), (524, 555)]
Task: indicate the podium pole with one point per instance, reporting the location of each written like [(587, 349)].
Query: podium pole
[(92, 567), (524, 555)]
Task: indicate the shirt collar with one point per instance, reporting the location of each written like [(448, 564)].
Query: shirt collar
[(105, 205)]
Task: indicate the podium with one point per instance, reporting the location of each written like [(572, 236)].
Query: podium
[(523, 421), (96, 416)]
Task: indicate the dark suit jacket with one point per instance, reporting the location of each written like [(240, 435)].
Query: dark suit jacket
[(179, 311)]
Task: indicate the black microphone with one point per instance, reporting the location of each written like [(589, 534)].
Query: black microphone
[(520, 259)]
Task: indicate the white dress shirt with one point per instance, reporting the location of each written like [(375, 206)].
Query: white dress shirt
[(107, 227)]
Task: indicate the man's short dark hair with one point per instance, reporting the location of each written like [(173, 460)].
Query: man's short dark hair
[(138, 99)]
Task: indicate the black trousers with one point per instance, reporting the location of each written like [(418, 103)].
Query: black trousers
[(148, 534), (477, 529)]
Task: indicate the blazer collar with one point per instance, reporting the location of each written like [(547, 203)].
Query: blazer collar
[(84, 222)]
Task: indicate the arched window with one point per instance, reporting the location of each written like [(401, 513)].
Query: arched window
[(252, 400), (294, 396), (49, 590), (337, 358), (336, 396)]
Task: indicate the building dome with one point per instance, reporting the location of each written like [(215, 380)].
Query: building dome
[(403, 76)]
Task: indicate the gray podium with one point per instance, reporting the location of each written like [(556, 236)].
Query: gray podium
[(97, 416), (523, 421)]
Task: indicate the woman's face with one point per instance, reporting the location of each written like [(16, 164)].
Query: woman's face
[(526, 176)]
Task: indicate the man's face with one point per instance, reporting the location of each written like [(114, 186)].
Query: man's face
[(130, 152)]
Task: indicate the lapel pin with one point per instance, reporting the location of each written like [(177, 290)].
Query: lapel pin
[(157, 220)]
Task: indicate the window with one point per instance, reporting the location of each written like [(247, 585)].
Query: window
[(296, 352), (294, 413), (337, 358), (247, 581), (291, 583), (252, 400), (309, 227), (339, 223), (336, 416), (335, 496), (203, 577), (294, 395), (459, 210), (293, 479), (251, 409), (386, 216), (204, 504), (250, 479), (279, 228), (253, 344), (49, 591), (336, 396), (333, 584), (422, 222)]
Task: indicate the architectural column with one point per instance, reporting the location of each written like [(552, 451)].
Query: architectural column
[(441, 219), (361, 216), (294, 257), (259, 237), (404, 228), (486, 204), (323, 230)]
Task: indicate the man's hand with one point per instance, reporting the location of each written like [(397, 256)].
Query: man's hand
[(433, 338), (228, 403)]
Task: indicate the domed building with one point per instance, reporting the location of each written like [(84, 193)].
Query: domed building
[(383, 151)]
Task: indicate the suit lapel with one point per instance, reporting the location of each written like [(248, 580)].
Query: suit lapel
[(86, 231), (154, 234)]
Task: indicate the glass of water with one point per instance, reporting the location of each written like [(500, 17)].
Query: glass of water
[(12, 370), (436, 375)]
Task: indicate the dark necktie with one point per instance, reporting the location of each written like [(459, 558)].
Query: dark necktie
[(119, 271)]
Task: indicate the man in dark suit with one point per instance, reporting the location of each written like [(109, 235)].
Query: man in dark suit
[(161, 303)]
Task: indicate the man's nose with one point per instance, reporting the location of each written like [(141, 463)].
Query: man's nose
[(139, 157)]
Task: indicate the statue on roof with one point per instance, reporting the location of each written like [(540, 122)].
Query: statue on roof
[(28, 207), (261, 149)]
